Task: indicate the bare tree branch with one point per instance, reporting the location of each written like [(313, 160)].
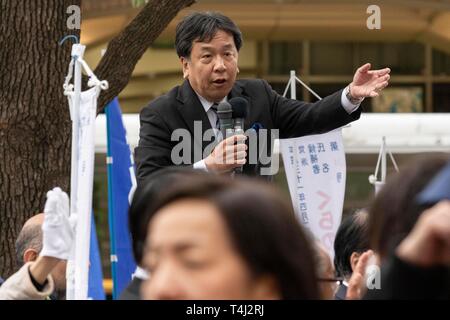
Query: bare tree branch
[(125, 50)]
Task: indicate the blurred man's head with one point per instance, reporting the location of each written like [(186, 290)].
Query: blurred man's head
[(28, 247)]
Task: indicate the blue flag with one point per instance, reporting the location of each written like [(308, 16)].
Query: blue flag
[(121, 185), (95, 284), (438, 189)]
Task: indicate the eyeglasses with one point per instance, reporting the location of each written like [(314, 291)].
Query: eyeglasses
[(334, 283), (337, 279)]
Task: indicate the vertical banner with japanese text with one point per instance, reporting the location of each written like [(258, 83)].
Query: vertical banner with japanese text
[(78, 266), (315, 171)]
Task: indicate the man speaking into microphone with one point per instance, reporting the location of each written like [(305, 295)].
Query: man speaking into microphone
[(208, 45)]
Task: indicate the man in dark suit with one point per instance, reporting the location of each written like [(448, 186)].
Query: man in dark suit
[(208, 45)]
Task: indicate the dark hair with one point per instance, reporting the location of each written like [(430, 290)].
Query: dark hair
[(262, 227), (394, 210), (352, 236), (202, 26), (145, 195)]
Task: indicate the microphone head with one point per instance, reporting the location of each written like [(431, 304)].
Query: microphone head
[(240, 107), (224, 110)]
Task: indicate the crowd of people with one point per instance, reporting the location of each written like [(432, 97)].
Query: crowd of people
[(203, 236)]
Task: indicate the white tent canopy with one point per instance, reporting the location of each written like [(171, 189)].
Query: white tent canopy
[(405, 133)]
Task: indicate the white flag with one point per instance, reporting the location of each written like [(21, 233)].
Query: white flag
[(86, 156), (315, 170)]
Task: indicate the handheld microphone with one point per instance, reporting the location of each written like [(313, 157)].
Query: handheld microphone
[(240, 109), (225, 112)]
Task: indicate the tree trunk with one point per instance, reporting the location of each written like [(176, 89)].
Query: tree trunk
[(35, 128), (127, 48)]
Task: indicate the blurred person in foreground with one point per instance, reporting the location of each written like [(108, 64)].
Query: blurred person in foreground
[(145, 195), (420, 266), (327, 281), (217, 238), (395, 217)]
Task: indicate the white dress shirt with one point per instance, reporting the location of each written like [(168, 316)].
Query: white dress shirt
[(212, 117)]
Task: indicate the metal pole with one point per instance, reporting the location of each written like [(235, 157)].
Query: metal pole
[(77, 51), (383, 161), (293, 85), (112, 236), (78, 287)]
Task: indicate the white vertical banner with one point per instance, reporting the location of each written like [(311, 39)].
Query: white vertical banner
[(316, 171), (83, 110), (85, 179)]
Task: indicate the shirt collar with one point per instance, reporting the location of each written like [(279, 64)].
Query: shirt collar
[(208, 104)]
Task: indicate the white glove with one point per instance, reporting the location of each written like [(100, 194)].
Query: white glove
[(58, 229)]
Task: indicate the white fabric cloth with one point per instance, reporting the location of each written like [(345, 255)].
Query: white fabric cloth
[(78, 265), (316, 172), (20, 287)]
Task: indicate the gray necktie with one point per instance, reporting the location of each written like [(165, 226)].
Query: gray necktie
[(214, 108)]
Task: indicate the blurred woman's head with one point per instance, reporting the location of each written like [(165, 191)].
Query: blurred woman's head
[(395, 211), (147, 192), (215, 238)]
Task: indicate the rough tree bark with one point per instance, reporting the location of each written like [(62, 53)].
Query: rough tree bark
[(127, 48), (35, 129)]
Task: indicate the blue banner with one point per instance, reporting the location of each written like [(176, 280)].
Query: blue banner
[(95, 284), (438, 189), (121, 185)]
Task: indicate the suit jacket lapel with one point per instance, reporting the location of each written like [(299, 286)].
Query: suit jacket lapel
[(192, 110)]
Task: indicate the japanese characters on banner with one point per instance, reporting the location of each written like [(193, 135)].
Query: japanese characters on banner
[(316, 170)]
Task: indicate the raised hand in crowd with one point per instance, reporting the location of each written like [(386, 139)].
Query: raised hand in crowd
[(428, 244), (357, 283)]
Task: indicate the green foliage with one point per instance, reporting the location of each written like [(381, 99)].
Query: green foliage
[(138, 3)]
